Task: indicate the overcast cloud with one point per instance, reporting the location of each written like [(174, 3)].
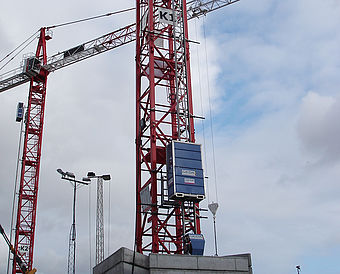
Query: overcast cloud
[(274, 83)]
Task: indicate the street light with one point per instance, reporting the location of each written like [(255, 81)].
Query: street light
[(100, 214), (69, 176), (298, 269), (66, 174)]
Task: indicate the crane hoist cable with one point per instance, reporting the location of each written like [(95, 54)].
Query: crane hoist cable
[(210, 112), (202, 114), (90, 18)]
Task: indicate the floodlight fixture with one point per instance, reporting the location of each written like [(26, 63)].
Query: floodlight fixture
[(100, 211), (60, 171), (91, 174), (86, 179), (106, 177), (70, 174), (298, 269)]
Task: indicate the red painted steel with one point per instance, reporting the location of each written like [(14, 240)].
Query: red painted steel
[(164, 113), (28, 190)]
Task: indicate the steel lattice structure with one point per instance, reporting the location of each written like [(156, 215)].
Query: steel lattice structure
[(100, 222), (91, 48), (28, 188), (164, 113)]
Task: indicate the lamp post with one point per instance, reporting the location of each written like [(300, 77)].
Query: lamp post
[(100, 214), (298, 269), (213, 209), (71, 262)]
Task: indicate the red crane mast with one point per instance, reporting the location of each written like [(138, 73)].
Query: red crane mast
[(28, 187), (163, 113)]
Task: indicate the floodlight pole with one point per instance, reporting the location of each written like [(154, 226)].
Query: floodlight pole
[(214, 217), (71, 265), (99, 215), (298, 269), (71, 262), (99, 222)]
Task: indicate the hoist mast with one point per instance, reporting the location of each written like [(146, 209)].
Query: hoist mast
[(164, 113)]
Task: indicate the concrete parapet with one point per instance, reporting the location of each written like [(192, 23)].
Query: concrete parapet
[(122, 260)]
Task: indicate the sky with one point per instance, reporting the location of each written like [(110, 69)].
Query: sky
[(265, 77)]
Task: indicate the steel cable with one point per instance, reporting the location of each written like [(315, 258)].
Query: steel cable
[(210, 112), (90, 18)]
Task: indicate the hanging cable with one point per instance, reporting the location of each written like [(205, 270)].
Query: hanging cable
[(202, 113), (56, 26), (15, 193), (90, 236), (90, 18), (109, 223), (32, 37), (19, 46), (210, 112)]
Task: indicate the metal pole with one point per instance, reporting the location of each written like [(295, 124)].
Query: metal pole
[(215, 236), (298, 269), (183, 224), (74, 227), (99, 222), (72, 239), (71, 262), (213, 208)]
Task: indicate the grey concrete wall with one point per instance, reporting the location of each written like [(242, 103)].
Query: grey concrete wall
[(178, 264), (122, 260)]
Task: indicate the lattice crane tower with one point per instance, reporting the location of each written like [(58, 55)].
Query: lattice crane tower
[(164, 113)]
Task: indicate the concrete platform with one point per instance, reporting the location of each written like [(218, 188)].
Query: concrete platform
[(122, 260)]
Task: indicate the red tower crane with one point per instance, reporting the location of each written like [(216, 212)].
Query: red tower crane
[(164, 113), (35, 71)]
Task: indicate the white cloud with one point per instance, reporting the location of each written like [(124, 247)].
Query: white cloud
[(318, 126), (277, 149)]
